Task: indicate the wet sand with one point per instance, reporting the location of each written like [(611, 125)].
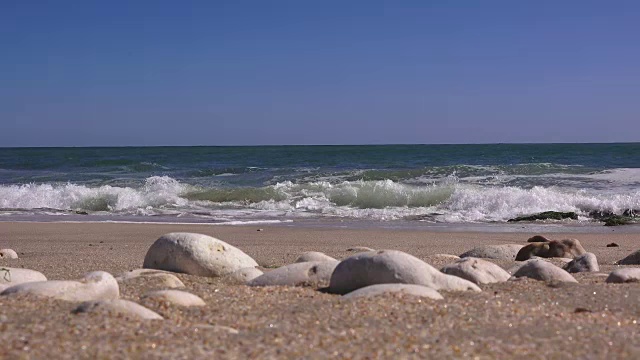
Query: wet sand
[(508, 320)]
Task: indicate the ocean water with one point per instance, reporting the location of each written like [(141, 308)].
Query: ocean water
[(394, 184)]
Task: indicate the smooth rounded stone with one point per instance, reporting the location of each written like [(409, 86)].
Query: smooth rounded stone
[(543, 270), (583, 263), (8, 254), (314, 256), (566, 248), (216, 328), (444, 257), (242, 276), (538, 238), (409, 289), (176, 297), (315, 274), (391, 267), (165, 278), (477, 271), (196, 254), (359, 249), (14, 276), (631, 259), (97, 285), (625, 275), (123, 307), (504, 251)]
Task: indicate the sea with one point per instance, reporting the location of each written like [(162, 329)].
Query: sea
[(396, 186)]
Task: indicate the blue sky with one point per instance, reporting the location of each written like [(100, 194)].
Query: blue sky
[(89, 73)]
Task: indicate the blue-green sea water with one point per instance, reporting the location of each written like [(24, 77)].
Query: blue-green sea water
[(425, 183)]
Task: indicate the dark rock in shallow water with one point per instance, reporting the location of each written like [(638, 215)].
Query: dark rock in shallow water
[(547, 215), (617, 220)]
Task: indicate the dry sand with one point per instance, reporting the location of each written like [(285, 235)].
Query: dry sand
[(509, 320)]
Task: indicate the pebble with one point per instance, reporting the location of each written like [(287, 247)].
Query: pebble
[(242, 276), (624, 275), (444, 257), (631, 259), (216, 328), (360, 249), (613, 245), (14, 276), (123, 307), (583, 263), (176, 297), (504, 252), (196, 254), (389, 267), (478, 271), (8, 254), (314, 256), (97, 285), (409, 289), (543, 270), (315, 274), (165, 278)]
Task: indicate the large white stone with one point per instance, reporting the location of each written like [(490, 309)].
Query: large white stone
[(97, 285), (8, 254), (409, 289), (391, 267), (624, 275), (176, 297), (503, 252), (315, 274), (196, 254), (477, 271), (14, 276), (543, 270), (583, 263), (242, 276), (123, 307), (163, 278), (314, 256)]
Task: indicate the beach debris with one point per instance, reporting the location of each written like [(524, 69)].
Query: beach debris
[(242, 276), (631, 259), (503, 251), (567, 248), (97, 285), (176, 297), (216, 328), (8, 254), (164, 279), (625, 275), (389, 267), (358, 249), (260, 230), (612, 245), (477, 271), (546, 215), (538, 238), (14, 276), (314, 256), (315, 274), (586, 262), (408, 289), (195, 254), (543, 270), (122, 307)]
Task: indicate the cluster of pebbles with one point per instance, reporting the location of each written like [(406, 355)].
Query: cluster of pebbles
[(367, 273)]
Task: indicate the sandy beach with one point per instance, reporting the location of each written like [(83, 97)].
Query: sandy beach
[(530, 318)]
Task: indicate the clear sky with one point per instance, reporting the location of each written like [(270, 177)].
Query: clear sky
[(89, 73)]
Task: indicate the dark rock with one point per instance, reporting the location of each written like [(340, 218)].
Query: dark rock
[(617, 220), (547, 215), (613, 245), (538, 238), (567, 248)]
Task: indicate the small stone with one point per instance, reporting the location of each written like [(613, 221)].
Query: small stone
[(504, 251), (444, 257), (14, 276), (477, 271), (164, 278), (242, 276), (8, 254), (216, 328), (625, 275), (123, 307), (315, 274), (613, 245), (391, 267), (381, 289), (358, 249), (583, 263), (631, 259), (314, 256), (97, 285), (543, 270), (175, 297), (260, 230), (196, 254)]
